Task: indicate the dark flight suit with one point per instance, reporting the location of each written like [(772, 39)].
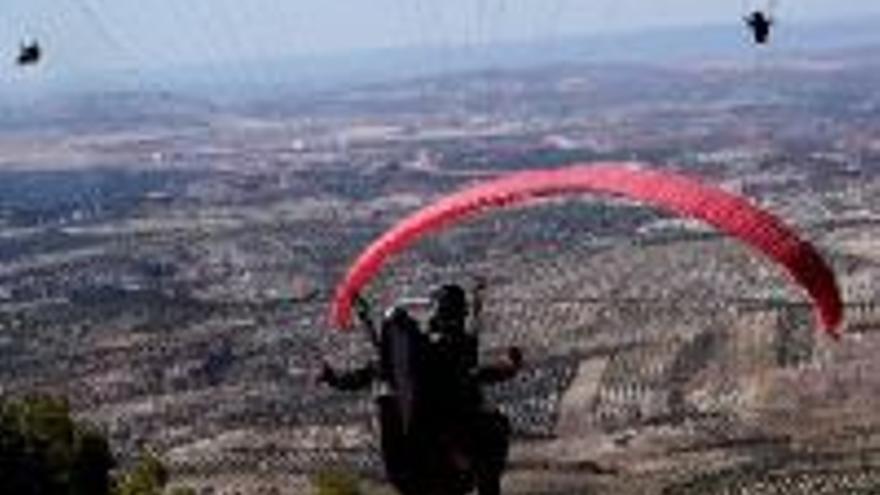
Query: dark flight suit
[(478, 434), (437, 435)]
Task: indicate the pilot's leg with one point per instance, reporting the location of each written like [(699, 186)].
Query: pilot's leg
[(395, 455), (493, 443)]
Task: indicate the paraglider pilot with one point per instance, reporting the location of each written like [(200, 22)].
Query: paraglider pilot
[(29, 54), (438, 434), (760, 24)]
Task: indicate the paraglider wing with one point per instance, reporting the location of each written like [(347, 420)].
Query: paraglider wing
[(670, 191)]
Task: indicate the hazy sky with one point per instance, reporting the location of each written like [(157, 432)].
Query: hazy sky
[(80, 35)]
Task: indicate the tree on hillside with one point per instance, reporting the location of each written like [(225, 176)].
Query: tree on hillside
[(43, 451)]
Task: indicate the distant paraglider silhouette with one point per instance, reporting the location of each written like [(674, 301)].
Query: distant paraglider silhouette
[(760, 24), (29, 54)]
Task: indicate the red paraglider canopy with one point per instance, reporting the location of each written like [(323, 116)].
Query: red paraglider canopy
[(681, 195)]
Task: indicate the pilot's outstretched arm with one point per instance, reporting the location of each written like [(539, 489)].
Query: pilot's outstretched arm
[(502, 370), (357, 379)]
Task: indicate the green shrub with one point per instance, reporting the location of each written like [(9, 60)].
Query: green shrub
[(336, 482), (148, 477)]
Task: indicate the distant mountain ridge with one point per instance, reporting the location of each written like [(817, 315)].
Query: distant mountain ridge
[(667, 45), (189, 96)]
